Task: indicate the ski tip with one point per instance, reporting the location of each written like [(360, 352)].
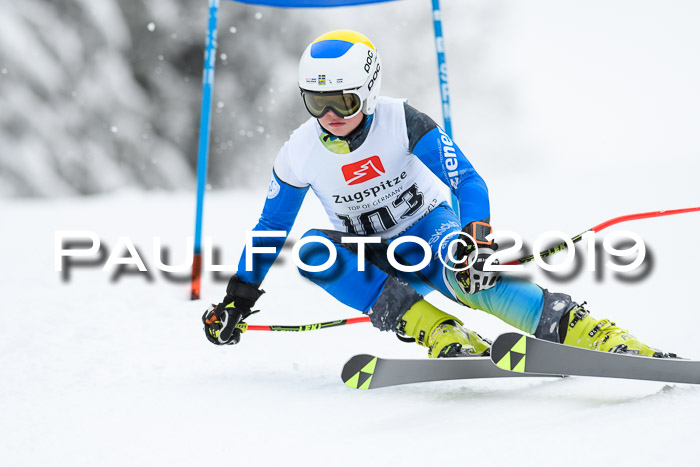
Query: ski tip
[(358, 371)]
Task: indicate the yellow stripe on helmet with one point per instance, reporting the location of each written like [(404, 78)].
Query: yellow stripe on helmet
[(345, 35)]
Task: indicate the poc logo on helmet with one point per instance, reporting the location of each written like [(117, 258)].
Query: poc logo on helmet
[(374, 77), (368, 65)]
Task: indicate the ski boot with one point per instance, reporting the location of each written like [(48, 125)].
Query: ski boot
[(579, 329), (443, 334)]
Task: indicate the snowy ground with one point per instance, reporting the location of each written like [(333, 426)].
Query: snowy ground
[(100, 373)]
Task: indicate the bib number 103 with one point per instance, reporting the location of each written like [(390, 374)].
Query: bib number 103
[(368, 221)]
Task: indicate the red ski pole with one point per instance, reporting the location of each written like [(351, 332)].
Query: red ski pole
[(301, 327), (601, 226)]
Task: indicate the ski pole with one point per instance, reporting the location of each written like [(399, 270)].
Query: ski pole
[(301, 327), (601, 226)]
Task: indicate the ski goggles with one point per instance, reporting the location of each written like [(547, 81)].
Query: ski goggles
[(344, 104)]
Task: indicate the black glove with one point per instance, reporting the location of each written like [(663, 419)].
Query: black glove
[(220, 322), (474, 279)]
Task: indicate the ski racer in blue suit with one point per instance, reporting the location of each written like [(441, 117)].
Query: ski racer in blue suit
[(380, 168)]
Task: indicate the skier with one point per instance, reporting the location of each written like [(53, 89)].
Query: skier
[(373, 162)]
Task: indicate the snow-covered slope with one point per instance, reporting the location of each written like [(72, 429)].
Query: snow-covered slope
[(101, 373)]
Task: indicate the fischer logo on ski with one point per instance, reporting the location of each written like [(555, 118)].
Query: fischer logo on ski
[(511, 355), (363, 378)]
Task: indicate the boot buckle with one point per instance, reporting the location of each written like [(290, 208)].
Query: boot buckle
[(579, 314)]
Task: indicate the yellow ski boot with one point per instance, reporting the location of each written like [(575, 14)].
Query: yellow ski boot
[(582, 330), (442, 333)]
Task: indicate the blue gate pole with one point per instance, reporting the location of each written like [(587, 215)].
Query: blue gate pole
[(442, 75), (203, 151)]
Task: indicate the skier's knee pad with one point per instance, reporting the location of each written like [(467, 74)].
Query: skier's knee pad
[(396, 298), (555, 306)]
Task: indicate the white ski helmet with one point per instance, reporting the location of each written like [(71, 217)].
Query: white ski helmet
[(340, 71)]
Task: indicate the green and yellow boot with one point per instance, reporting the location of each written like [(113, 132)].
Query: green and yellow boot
[(579, 329), (443, 334)]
